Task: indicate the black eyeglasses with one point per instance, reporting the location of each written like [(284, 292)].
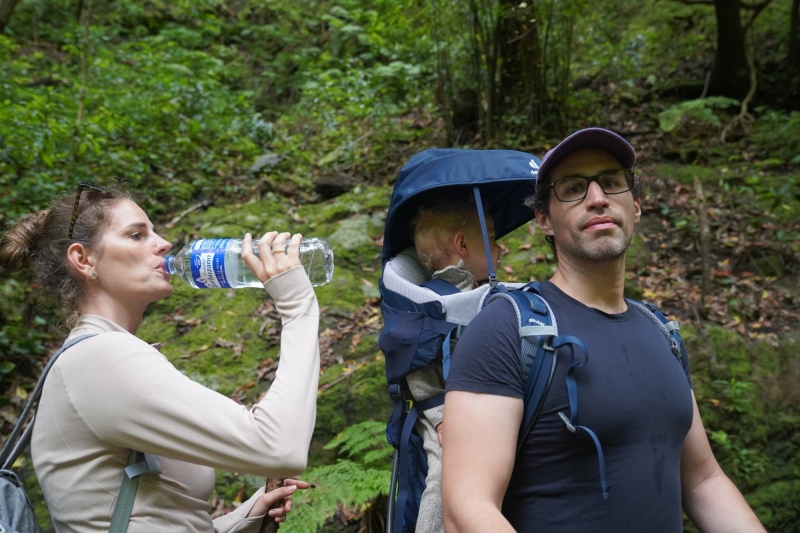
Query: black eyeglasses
[(75, 208), (574, 188)]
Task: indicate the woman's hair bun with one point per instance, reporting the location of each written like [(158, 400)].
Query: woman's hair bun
[(19, 243)]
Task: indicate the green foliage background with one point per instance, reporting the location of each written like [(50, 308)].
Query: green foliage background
[(182, 99)]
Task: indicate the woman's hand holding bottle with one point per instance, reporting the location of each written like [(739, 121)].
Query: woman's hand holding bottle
[(274, 257)]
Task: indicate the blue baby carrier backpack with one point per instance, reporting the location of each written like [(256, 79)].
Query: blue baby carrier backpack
[(421, 316)]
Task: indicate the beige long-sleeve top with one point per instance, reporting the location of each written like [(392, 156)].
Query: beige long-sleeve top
[(114, 392)]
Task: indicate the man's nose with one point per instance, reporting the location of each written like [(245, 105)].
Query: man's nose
[(595, 195)]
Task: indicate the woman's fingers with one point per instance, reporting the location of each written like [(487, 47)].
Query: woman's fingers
[(274, 255), (286, 250), (281, 494), (278, 245), (293, 252), (296, 482), (249, 258), (263, 504)]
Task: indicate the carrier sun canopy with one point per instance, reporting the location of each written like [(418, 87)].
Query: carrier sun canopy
[(505, 179)]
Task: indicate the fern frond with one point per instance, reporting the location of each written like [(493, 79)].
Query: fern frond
[(700, 110), (345, 483), (363, 437)]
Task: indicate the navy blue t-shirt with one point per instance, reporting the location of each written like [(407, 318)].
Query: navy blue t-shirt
[(633, 393)]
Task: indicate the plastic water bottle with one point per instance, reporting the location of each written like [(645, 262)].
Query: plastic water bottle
[(217, 263)]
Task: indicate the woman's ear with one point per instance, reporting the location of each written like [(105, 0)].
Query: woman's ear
[(460, 242), (81, 260)]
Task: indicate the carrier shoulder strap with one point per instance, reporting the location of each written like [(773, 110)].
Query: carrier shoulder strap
[(537, 328), (539, 341), (669, 328)]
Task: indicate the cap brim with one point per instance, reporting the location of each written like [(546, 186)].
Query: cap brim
[(598, 138)]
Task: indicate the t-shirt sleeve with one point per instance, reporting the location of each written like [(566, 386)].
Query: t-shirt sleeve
[(487, 357)]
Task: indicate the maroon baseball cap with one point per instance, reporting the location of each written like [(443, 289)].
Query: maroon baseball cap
[(599, 138)]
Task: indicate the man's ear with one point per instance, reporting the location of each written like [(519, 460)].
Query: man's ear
[(637, 210), (460, 243), (544, 222), (81, 260)]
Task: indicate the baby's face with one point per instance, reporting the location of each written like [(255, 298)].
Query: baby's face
[(475, 261)]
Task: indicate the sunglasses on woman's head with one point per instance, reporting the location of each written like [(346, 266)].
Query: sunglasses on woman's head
[(77, 201)]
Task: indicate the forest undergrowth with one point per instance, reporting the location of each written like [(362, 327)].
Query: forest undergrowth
[(223, 115)]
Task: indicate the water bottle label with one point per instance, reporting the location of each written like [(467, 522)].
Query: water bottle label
[(208, 263)]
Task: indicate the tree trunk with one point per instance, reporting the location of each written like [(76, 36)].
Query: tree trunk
[(484, 57), (506, 39), (729, 76), (6, 8), (794, 37), (521, 78)]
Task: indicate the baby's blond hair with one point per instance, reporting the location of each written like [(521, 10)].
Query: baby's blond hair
[(437, 221)]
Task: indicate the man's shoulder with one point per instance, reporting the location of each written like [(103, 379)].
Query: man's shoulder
[(500, 312), (497, 321)]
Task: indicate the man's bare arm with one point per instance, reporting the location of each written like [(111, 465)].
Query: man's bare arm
[(479, 446), (710, 499)]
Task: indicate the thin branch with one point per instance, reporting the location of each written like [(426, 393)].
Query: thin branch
[(757, 9), (744, 116), (195, 207), (705, 254), (524, 34), (759, 6), (707, 84)]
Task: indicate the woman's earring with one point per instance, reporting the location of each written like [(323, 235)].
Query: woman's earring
[(93, 276)]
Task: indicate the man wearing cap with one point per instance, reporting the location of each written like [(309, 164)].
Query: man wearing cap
[(633, 393)]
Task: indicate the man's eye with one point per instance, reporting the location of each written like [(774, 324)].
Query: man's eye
[(136, 236)]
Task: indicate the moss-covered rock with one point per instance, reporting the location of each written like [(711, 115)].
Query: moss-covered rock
[(355, 396)]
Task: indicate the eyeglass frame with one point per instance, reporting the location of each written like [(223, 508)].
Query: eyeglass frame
[(630, 179), (81, 187)]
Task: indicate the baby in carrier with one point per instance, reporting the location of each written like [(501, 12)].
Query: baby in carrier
[(449, 242)]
